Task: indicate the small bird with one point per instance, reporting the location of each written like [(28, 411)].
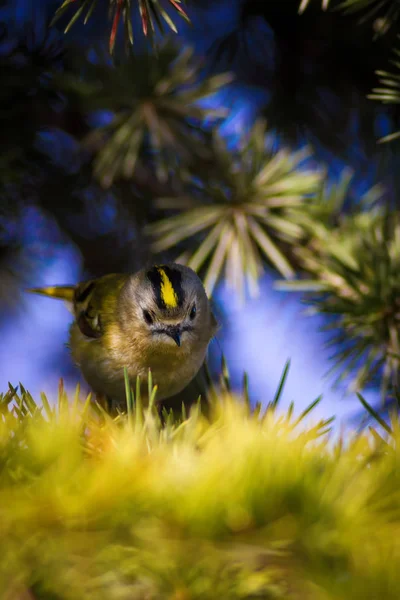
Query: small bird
[(158, 318)]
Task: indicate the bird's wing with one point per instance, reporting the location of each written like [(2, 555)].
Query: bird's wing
[(78, 299), (92, 302), (96, 303), (87, 308)]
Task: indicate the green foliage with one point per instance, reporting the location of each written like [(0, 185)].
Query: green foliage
[(387, 11), (228, 214), (26, 72), (240, 504), (332, 219), (243, 212), (152, 14), (155, 102), (390, 92), (305, 3), (355, 268)]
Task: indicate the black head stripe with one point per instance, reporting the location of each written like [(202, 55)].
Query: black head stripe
[(156, 276), (155, 279), (82, 292)]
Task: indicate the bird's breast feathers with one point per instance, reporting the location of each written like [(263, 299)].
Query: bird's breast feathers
[(102, 361)]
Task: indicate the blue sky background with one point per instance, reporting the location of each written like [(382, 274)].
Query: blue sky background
[(258, 337)]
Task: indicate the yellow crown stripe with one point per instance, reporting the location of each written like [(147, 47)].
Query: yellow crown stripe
[(168, 293)]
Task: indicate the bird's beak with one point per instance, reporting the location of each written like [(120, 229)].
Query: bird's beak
[(175, 333)]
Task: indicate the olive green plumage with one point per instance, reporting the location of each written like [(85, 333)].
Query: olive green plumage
[(159, 319)]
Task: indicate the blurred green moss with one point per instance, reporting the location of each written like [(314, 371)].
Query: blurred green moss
[(241, 504)]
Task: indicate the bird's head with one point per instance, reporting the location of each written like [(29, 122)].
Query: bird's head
[(169, 306)]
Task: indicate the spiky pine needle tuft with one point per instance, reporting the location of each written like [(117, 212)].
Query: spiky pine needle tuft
[(152, 14)]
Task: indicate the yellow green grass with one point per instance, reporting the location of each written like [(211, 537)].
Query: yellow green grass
[(241, 504)]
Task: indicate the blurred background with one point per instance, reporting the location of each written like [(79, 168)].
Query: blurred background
[(110, 163)]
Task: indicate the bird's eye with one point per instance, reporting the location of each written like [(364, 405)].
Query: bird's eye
[(192, 313), (147, 317)]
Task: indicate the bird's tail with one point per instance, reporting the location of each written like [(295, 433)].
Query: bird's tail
[(61, 292)]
